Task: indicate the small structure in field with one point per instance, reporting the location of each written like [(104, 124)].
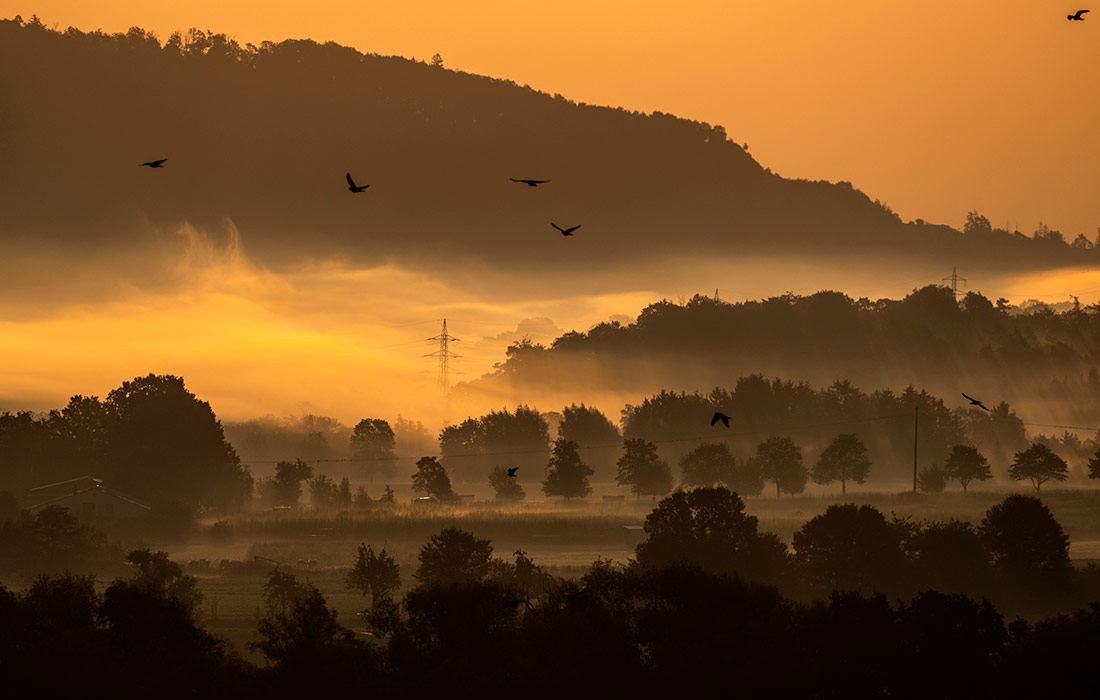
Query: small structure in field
[(87, 498)]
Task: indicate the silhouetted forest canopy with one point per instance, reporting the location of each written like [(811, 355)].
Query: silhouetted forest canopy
[(863, 606), (1040, 359), (150, 437), (262, 136)]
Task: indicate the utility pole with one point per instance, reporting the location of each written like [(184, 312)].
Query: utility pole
[(445, 356), (955, 279), (915, 410)]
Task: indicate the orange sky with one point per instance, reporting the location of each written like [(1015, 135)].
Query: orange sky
[(935, 108)]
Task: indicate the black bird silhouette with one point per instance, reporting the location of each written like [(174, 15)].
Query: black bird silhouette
[(530, 183), (513, 604), (512, 472), (354, 187), (154, 163), (1077, 16), (720, 417), (566, 231), (974, 402)]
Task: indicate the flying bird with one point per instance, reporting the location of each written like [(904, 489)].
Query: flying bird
[(565, 231), (536, 183), (512, 472), (974, 402), (154, 163), (1077, 16), (354, 187), (720, 417)]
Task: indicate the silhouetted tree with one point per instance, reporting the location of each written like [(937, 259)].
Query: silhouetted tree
[(431, 478), (343, 493), (779, 460), (373, 442), (850, 548), (301, 637), (966, 464), (506, 488), (154, 572), (595, 434), (285, 488), (524, 576), (708, 464), (666, 417), (845, 458), (642, 470), (376, 575), (932, 479), (472, 448), (950, 557), (167, 443), (567, 475), (1029, 549), (323, 492), (453, 556), (1039, 464), (1094, 465), (708, 527), (960, 639)]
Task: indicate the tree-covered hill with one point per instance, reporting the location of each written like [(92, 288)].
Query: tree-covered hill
[(262, 136), (1042, 360)]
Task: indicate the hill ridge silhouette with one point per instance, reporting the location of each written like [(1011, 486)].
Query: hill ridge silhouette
[(262, 135)]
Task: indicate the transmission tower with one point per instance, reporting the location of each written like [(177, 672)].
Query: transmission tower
[(445, 356), (954, 279)]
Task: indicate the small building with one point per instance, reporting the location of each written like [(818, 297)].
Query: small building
[(87, 498)]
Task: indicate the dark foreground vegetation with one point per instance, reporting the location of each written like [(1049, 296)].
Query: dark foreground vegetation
[(863, 607)]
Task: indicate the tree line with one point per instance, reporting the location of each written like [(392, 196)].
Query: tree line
[(467, 128), (154, 439), (710, 602), (929, 338)]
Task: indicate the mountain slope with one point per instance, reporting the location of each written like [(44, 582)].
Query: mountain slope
[(262, 136)]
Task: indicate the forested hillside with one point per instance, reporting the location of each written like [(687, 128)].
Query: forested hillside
[(263, 135), (1042, 362)]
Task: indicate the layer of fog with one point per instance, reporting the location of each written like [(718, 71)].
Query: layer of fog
[(330, 338)]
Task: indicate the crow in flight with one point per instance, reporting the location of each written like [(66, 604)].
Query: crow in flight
[(512, 472), (154, 163), (1077, 16), (720, 417), (565, 231), (536, 183), (974, 402), (352, 187)]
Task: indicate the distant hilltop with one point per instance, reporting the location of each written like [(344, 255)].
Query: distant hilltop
[(1036, 357), (264, 135)]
